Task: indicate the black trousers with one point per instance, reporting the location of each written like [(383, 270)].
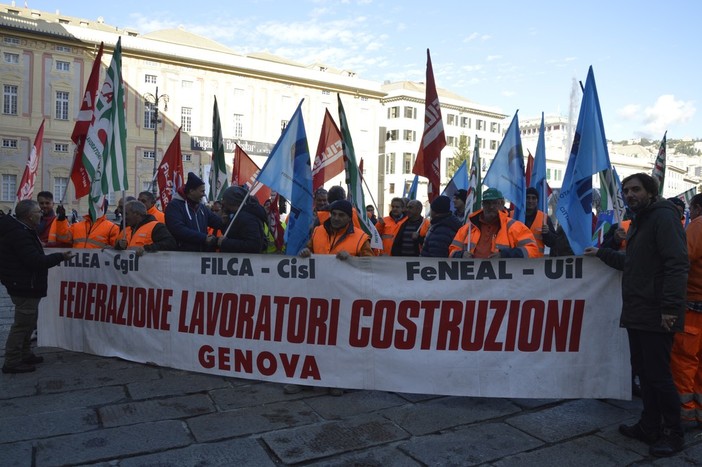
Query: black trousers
[(650, 359)]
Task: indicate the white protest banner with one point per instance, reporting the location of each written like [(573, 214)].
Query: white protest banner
[(533, 328)]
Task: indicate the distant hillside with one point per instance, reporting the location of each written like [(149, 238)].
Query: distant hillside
[(674, 146)]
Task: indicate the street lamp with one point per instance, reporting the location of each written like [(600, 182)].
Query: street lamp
[(155, 99)]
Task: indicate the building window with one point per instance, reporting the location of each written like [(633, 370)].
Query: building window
[(407, 162), (9, 187), (493, 144), (11, 58), (452, 119), (410, 112), (465, 122), (185, 84), (9, 143), (186, 118), (394, 112), (283, 125), (409, 135), (393, 135), (149, 116), (452, 141), (238, 125), (148, 154), (187, 157), (61, 105), (390, 163), (61, 147), (150, 79), (479, 124), (325, 92), (60, 186), (64, 48), (63, 65), (11, 40), (494, 127), (391, 189), (9, 101)]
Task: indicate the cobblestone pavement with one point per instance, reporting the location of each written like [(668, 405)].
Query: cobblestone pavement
[(79, 409)]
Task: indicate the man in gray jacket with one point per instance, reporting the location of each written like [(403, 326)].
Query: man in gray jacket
[(654, 285)]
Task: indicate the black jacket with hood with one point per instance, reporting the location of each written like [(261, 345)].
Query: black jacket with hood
[(246, 235)]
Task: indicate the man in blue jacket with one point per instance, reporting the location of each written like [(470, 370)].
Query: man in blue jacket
[(24, 269), (187, 218)]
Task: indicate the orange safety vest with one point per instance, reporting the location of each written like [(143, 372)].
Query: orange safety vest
[(512, 234), (143, 235), (535, 228), (158, 215), (388, 231), (87, 234), (624, 225), (350, 240)]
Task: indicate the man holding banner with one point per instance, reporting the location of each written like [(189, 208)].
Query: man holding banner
[(654, 282)]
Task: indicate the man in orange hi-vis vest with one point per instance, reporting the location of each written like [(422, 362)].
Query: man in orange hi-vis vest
[(491, 233), (143, 231)]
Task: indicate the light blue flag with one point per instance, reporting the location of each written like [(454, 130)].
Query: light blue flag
[(506, 172), (538, 172), (459, 181), (588, 156), (412, 191), (288, 171)]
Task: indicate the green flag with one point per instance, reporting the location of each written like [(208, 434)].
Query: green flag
[(105, 150), (659, 167), (354, 180), (474, 199), (219, 181)]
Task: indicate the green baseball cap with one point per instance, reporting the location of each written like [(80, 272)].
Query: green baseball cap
[(492, 194)]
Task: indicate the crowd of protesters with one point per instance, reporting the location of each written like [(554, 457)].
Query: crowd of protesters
[(238, 223)]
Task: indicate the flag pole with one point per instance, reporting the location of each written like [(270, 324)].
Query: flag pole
[(63, 195), (369, 193)]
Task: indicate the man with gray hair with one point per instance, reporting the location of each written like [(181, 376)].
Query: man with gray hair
[(143, 232), (24, 270)]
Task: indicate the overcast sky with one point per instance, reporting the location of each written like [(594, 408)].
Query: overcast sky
[(509, 55)]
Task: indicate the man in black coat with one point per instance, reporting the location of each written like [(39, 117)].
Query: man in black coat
[(246, 235), (443, 228), (24, 269), (654, 286)]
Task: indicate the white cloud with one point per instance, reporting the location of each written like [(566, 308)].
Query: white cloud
[(471, 37), (507, 93), (491, 58), (629, 112), (667, 112)]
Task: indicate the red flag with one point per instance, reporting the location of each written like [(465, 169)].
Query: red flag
[(329, 158), (244, 173), (79, 176), (428, 160), (274, 224), (169, 176), (26, 186), (529, 168)]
